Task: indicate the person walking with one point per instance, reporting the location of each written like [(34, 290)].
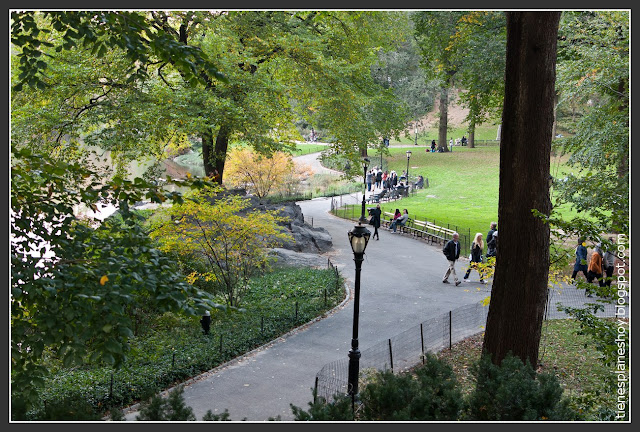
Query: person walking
[(476, 257), (491, 243), (368, 180), (581, 260), (451, 250), (594, 270), (433, 146), (608, 261), (375, 221), (378, 178), (402, 220)]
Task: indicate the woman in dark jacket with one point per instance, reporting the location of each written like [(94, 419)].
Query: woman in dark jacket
[(375, 221), (476, 257)]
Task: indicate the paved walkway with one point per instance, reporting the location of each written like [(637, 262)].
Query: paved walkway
[(401, 286)]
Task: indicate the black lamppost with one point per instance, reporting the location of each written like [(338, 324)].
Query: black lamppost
[(358, 239), (408, 156), (365, 163)]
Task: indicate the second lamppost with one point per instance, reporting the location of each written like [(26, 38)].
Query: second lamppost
[(358, 239)]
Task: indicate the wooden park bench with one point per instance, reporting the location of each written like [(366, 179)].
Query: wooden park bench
[(376, 198), (430, 231)]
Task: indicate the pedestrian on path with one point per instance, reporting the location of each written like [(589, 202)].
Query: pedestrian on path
[(581, 260), (375, 221), (451, 250), (594, 270), (608, 261), (491, 244), (476, 257)]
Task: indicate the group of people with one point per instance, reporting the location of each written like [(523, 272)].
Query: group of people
[(399, 219), (378, 179), (598, 267), (451, 251)]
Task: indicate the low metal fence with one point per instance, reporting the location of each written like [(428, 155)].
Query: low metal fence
[(409, 348)]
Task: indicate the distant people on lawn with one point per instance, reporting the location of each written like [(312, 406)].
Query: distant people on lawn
[(476, 257), (433, 146), (451, 251), (581, 259), (402, 220)]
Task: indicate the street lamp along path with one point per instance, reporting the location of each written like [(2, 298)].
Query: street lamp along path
[(358, 239)]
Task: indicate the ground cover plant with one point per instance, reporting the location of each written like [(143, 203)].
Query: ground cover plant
[(171, 348), (571, 357)]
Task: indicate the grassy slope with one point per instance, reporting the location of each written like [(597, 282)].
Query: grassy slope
[(463, 185)]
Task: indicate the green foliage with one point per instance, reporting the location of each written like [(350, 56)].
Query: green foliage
[(73, 408), (101, 31), (513, 391), (430, 394), (610, 338), (593, 76), (170, 347), (340, 409), (74, 283), (228, 240), (171, 408)]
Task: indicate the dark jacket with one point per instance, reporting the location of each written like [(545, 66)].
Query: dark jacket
[(451, 250), (581, 255), (476, 253), (492, 243), (375, 213)]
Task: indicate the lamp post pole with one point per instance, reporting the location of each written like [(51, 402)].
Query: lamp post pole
[(408, 156), (358, 238)]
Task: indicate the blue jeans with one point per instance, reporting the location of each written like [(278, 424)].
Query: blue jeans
[(394, 225)]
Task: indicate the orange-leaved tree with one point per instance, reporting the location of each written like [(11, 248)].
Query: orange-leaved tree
[(257, 173), (219, 241)]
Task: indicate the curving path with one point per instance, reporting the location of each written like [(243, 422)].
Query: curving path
[(401, 286)]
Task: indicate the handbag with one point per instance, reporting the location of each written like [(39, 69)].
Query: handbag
[(371, 221)]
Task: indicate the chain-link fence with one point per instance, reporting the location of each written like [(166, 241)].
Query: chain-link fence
[(408, 349)]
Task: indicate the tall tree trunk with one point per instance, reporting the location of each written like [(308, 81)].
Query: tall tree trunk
[(207, 153), (442, 129), (519, 292), (472, 123), (222, 145)]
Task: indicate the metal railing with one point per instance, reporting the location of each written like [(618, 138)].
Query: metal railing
[(409, 348)]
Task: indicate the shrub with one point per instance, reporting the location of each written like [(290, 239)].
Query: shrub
[(172, 408), (513, 391), (430, 393)]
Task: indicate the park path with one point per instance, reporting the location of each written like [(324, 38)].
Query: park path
[(401, 286)]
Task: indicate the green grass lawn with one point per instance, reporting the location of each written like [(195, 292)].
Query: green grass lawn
[(482, 133), (463, 185)]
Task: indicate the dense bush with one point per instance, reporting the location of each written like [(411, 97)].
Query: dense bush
[(172, 348), (511, 391), (514, 391)]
